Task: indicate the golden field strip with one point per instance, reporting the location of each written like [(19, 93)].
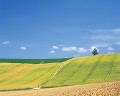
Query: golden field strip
[(99, 89)]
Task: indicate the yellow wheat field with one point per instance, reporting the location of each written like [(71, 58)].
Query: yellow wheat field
[(100, 89)]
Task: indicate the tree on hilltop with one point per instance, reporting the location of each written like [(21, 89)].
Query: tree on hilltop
[(95, 51)]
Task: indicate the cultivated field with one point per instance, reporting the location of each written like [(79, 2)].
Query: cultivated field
[(101, 89), (75, 71), (25, 76), (91, 69)]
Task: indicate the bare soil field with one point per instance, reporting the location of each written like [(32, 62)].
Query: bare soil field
[(99, 89)]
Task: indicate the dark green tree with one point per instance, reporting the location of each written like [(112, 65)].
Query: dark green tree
[(94, 52)]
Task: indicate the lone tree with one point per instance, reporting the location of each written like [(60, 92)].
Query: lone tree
[(95, 52)]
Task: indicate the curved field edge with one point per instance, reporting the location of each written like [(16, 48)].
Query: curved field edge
[(96, 69), (75, 71), (99, 89)]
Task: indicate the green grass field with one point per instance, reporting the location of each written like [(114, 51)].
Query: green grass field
[(34, 61), (75, 71), (92, 69)]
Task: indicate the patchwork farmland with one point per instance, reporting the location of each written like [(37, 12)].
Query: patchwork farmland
[(74, 71)]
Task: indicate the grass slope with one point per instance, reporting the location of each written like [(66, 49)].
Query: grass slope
[(81, 70), (93, 69), (21, 76)]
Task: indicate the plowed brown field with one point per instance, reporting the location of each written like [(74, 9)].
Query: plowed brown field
[(100, 89)]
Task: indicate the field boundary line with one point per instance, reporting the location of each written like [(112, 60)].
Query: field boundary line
[(65, 66), (61, 68), (92, 69), (56, 73), (30, 72), (75, 71), (11, 68), (14, 75), (110, 68), (41, 75)]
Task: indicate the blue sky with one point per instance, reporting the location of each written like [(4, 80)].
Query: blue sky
[(58, 28)]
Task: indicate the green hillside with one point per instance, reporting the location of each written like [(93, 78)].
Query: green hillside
[(33, 61), (92, 69), (80, 70)]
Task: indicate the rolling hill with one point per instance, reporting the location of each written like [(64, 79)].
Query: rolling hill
[(75, 71)]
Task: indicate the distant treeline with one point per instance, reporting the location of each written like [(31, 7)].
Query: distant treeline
[(34, 61)]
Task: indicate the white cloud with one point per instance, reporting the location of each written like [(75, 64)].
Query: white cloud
[(82, 50), (118, 43), (102, 45), (110, 48), (103, 37), (69, 49), (106, 34), (55, 47), (76, 49), (114, 31), (51, 52), (6, 42), (61, 45), (110, 52), (23, 48), (93, 47)]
